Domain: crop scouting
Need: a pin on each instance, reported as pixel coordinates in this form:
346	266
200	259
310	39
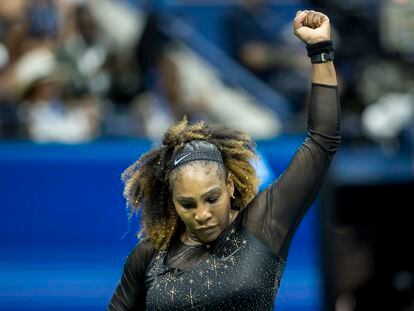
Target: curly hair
147	185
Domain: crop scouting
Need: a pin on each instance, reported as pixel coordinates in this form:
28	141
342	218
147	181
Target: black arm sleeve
131	292
275	213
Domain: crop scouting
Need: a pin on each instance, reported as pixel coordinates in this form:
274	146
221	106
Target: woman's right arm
131	292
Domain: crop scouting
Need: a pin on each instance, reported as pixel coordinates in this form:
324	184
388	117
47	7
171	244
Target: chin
209	238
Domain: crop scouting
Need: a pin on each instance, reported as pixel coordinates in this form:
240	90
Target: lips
206	228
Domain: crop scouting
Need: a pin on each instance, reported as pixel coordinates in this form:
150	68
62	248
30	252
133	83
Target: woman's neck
187	240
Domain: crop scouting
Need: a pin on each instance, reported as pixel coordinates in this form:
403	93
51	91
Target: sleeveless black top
242	269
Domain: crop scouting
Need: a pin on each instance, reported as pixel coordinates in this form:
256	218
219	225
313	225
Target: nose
202	215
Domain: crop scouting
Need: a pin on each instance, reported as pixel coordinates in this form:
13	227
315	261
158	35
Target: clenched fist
312	27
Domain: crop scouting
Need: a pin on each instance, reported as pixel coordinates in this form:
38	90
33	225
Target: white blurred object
34	66
92	60
158	118
51	123
388	116
121	25
4	56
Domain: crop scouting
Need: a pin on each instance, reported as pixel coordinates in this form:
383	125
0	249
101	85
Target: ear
230	185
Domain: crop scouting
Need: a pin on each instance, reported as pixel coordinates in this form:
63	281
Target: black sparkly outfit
242	268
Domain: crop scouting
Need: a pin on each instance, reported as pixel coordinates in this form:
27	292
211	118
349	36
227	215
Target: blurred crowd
58	66
72	71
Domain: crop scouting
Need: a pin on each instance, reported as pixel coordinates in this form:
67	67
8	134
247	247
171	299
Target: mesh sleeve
131	292
275	213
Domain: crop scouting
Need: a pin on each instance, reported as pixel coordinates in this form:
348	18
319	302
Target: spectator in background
162	103
94	65
98	60
24	26
82	54
47	113
259	44
33	100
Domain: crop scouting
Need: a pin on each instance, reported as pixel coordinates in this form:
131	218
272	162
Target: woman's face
201	196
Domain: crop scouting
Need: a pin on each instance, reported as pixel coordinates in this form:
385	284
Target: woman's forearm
324	73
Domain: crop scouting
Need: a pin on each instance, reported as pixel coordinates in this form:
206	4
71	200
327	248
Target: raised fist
312	27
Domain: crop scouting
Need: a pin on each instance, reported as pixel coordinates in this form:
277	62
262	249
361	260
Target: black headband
196	150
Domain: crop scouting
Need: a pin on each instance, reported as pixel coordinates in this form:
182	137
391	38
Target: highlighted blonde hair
147	187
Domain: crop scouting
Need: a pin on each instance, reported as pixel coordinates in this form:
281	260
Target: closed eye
188	205
212	200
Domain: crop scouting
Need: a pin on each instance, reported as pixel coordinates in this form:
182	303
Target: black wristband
321	52
320	47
